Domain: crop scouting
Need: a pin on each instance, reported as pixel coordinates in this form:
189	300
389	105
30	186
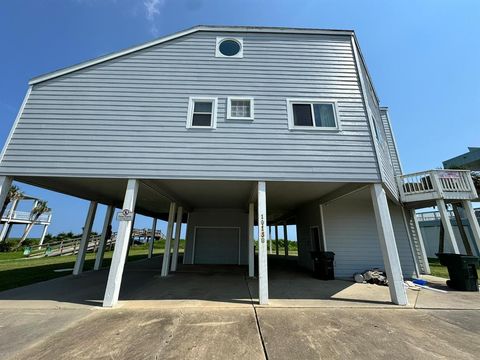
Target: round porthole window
229	47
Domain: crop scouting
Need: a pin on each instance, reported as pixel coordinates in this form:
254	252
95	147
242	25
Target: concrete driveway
210	313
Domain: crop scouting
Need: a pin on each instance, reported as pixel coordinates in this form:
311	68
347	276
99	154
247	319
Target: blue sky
423	56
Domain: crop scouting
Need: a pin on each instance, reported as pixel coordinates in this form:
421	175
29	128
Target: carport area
254	204
219	286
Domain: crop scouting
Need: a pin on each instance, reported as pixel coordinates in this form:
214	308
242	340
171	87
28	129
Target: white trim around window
221	39
240	98
311	102
191	106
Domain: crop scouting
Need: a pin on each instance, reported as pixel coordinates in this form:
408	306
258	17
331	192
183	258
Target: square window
240	108
202	113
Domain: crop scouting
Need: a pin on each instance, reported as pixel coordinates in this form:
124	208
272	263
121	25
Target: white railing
435	215
26	216
436	184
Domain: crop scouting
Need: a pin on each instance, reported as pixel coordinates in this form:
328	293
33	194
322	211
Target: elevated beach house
230	130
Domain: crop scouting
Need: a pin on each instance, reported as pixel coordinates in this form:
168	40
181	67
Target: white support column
87	229
262	245
276	240
121	246
285	238
176	242
472	220
5	184
168	240
103	237
442	209
44	233
251	244
152	239
388	245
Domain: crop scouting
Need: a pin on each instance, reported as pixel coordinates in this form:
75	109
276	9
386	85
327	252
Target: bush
6	246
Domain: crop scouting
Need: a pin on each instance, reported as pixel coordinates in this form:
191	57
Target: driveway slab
369	333
20	329
192	333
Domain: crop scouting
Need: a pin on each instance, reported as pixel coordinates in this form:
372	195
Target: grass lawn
16	270
439	270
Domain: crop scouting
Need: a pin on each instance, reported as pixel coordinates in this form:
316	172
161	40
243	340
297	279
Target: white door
216	245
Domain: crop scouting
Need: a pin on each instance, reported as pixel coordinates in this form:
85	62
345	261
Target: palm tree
14	193
38	210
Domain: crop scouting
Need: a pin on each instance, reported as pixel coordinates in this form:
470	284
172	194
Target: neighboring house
12	216
429	223
470	160
201	125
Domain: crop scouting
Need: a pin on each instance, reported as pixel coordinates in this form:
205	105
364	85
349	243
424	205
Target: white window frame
241	98
311	102
222	38
191	105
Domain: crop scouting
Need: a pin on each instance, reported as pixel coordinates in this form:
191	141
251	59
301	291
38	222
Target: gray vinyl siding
126	117
384	161
351	233
392	149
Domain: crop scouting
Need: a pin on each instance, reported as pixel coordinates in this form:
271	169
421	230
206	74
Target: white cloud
152	9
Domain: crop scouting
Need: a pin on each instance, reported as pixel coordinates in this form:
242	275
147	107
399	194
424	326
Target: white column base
176	242
262	245
388	246
103	238
87	229
114	282
447	225
168	240
152	239
472	220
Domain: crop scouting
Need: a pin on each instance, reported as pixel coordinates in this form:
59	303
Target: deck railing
436	184
26	216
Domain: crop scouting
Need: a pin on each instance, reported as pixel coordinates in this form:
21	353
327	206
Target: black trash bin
323	265
462	270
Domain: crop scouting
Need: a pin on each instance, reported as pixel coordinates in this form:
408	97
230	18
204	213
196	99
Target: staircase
66	247
417	243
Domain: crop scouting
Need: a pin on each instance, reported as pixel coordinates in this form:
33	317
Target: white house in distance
225	128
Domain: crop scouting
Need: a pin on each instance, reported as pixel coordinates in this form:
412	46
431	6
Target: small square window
202	113
312	114
240	108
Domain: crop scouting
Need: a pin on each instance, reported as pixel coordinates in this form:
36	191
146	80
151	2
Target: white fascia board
176	35
17	119
385	109
357	45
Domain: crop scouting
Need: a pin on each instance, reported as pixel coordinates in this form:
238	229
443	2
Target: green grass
16	270
439	270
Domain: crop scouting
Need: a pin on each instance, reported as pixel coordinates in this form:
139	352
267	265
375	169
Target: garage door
216	245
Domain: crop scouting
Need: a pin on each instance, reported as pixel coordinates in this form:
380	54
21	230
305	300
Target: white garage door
216	245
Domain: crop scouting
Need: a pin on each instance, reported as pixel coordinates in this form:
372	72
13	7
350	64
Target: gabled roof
176	35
